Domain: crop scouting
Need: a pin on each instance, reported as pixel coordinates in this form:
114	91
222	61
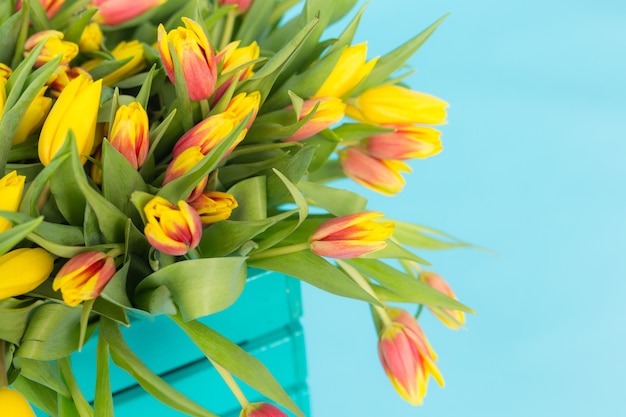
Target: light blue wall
533	168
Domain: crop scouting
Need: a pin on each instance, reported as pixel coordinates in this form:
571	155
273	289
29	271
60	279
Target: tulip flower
172	229
233	58
11	189
214	206
129	134
381	175
22	270
62	76
196	57
351	236
393	105
33	117
51	7
349	70
330	111
115	12
405	143
91	38
183	163
53	47
84	277
243	104
14	404
242	5
261	410
5	71
123	50
76	109
454	319
407	357
209	133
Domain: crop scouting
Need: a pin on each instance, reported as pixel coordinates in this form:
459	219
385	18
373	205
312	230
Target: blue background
533	169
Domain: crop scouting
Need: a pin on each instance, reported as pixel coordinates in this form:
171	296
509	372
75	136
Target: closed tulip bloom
5	71
196	57
54	46
381	175
406	142
172	229
91	38
183	163
84	277
23	270
62	76
243	104
51	7
14	404
214	206
123	50
330	111
351	236
129	134
393	105
209	133
11	190
242	5
261	410
349	70
33	117
407	357
454	319
76	109
115	12
233	58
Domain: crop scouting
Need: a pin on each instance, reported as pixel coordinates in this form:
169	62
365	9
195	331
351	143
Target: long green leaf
13	236
41	396
44	373
103	400
336	201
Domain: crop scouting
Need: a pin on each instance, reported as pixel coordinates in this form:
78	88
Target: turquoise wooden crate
264	320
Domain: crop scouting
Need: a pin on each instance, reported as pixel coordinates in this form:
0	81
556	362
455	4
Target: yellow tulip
34	116
76	109
124	50
23	270
347	73
91	38
14	404
11	189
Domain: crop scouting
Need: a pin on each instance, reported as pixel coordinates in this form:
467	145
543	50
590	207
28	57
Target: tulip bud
261	410
233	58
62	76
91	38
123	50
243	104
183	163
170	229
33	117
393	105
454	319
115	12
209	133
351	236
242	5
11	189
53	47
381	175
405	143
5	71
14	404
129	134
196	57
330	111
76	109
84	277
214	206
23	270
349	70
407	357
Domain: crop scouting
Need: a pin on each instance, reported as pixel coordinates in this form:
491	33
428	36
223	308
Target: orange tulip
172	229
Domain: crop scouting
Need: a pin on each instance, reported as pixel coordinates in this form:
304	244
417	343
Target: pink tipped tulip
207	134
84	277
51	7
129	134
172	229
183	163
261	410
407	357
115	12
406	142
351	236
454	319
381	175
53	47
196	57
330	111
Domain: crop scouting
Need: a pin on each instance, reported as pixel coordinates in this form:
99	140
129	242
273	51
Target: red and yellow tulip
129	133
261	410
381	175
454	319
214	206
406	142
84	277
330	111
172	229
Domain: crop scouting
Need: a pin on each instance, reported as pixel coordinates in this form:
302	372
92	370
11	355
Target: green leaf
351	131
423	237
82	406
103	400
335	201
44	373
251	197
40	396
395	251
255	21
409	287
13	236
236	361
293	169
14	316
198	287
77	25
9	33
153	384
38	16
316	271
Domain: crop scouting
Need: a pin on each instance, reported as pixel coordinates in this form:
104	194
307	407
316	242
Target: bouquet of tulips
151	151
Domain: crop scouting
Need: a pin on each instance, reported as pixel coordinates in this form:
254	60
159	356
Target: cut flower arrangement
152	151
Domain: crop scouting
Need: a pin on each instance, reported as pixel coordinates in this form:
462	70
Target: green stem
205	109
384	316
232	384
82	406
270	253
227	33
4	382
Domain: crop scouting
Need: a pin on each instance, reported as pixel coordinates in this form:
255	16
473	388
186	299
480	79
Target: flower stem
232	384
228	29
270	253
4	382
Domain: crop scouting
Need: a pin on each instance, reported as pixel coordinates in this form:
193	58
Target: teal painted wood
264	320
